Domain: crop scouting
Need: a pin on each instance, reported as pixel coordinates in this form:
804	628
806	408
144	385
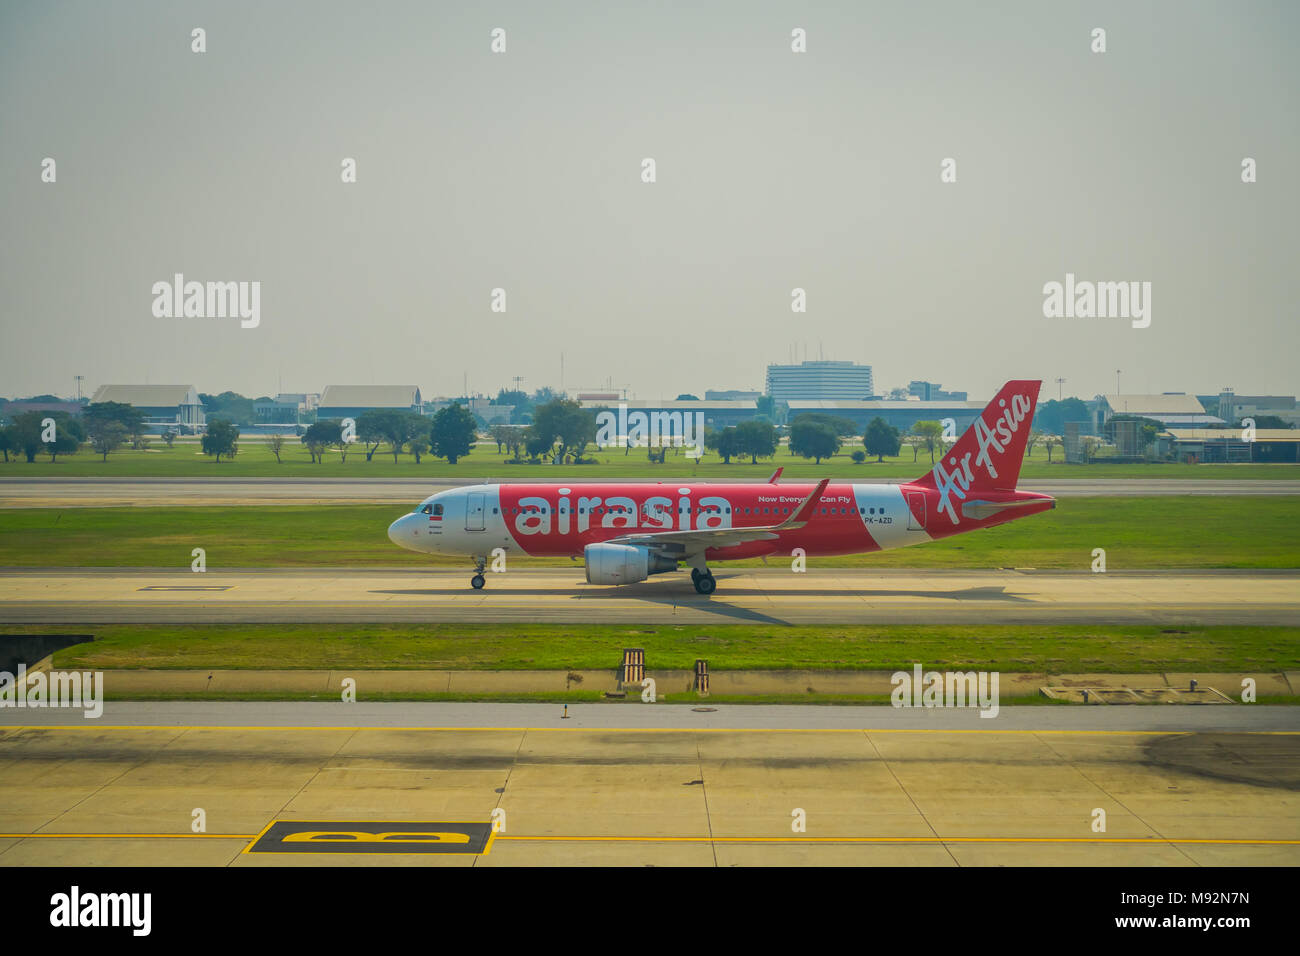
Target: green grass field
255	460
1022	648
1137	533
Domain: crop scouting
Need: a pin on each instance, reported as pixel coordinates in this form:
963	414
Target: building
349	401
731	395
933	392
281	410
1171	409
164	406
1229	444
1232	407
900	414
819	381
479	407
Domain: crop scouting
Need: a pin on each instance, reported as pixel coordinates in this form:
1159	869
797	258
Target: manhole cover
705	710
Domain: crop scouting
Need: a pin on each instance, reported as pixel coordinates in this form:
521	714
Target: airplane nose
396	532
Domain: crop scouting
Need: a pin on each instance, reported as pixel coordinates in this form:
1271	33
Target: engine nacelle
622	563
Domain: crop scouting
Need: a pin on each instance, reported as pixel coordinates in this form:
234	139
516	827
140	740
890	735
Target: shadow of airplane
669	594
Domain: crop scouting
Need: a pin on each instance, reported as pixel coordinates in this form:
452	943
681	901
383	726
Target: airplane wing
698	540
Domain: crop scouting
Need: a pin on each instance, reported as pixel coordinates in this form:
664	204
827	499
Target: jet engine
623	564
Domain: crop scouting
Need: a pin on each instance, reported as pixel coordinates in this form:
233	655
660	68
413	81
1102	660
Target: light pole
1059	382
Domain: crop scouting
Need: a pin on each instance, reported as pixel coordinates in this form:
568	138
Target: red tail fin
988	455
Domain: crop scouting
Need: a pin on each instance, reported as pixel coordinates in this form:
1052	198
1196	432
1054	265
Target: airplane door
915	512
474	513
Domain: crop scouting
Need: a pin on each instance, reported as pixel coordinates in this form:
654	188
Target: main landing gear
477	581
703	581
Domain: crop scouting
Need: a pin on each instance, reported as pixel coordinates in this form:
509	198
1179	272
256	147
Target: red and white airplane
626	532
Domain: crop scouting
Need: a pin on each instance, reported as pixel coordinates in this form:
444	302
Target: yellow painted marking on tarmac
657	730
124	836
756	839
493	836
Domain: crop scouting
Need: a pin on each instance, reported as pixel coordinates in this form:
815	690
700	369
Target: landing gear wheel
695	575
704	583
477	581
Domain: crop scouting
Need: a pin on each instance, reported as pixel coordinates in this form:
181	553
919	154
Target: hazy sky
522	170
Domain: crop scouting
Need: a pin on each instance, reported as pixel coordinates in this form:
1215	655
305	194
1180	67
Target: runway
638	785
561	595
57	492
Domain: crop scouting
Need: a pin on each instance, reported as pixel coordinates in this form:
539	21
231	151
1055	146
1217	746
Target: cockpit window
437	509
427	510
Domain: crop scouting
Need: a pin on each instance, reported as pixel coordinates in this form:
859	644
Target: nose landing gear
477	581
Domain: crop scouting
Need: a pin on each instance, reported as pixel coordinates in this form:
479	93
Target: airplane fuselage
564	519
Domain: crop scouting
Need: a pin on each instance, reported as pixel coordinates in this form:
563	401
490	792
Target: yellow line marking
652	730
123	836
493	836
667	839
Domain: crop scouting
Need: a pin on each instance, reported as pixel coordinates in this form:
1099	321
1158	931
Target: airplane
625	532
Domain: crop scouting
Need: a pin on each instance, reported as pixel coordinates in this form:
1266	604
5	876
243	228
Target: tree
220	438
500	434
418	446
843	427
687	398
929	434
757	439
813	439
563	420
98	413
230	406
724	441
26	432
452	433
109	424
29	434
276	444
881	438
1052	415
859	457
1269	421
107	437
320	436
7	442
1051	441
1035	436
376	426
168	436
765	407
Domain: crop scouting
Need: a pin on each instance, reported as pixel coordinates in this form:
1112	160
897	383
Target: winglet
805	509
775	475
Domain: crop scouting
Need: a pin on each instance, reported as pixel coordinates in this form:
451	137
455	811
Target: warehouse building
349	401
1171	409
1229	445
164	406
900	414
